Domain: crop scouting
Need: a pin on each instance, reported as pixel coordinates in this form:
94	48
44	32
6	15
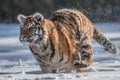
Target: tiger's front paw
79	64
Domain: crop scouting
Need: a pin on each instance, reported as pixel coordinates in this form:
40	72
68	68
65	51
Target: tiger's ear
38	16
21	18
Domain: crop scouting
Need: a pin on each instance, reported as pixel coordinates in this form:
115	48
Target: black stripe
45	47
86	56
61	59
80	65
52	49
58	18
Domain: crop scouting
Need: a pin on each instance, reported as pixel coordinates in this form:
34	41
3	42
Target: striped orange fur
62	43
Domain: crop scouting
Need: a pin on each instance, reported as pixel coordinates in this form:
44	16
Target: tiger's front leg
85	54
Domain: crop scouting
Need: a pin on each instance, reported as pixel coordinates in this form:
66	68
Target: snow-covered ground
18	63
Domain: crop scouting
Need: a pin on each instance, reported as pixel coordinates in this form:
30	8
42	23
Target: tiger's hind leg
85	54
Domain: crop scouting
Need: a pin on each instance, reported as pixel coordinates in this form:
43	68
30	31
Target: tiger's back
74	21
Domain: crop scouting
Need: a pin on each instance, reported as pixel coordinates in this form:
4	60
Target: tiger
62	42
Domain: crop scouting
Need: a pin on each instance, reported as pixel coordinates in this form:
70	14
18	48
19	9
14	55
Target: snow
18	63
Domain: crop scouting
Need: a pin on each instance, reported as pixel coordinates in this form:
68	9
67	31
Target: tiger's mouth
25	39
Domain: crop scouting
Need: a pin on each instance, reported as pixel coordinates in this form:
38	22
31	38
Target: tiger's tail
102	40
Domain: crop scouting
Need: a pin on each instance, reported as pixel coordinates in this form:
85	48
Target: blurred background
96	10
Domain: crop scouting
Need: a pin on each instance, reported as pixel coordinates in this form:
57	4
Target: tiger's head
32	27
